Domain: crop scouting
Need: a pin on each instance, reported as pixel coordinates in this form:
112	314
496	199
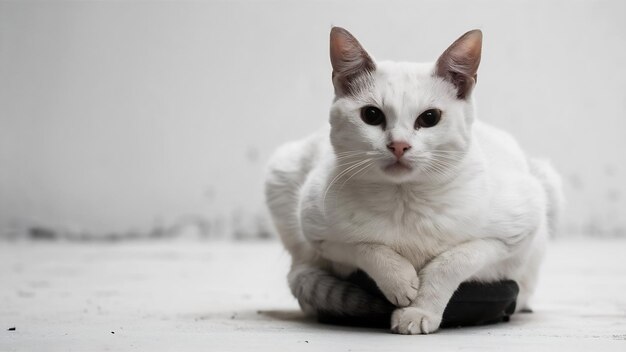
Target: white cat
408	186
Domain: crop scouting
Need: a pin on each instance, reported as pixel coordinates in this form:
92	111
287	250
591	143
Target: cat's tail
337	301
552	184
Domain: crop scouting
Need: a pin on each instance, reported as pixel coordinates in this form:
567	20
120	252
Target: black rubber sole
473	303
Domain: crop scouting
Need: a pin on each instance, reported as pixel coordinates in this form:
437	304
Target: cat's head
402	121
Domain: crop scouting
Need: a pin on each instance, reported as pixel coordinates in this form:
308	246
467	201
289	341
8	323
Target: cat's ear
459	63
349	60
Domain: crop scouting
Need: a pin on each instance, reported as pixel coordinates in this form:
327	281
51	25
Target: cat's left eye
428	118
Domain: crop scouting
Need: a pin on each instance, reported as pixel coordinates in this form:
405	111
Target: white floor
185	296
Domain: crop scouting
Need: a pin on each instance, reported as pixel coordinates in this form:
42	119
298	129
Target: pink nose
398	148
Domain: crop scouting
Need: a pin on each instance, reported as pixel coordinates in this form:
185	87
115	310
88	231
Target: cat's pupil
428	118
372	115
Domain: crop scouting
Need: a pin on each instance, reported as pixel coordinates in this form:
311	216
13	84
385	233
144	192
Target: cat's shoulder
515	192
487	134
302	153
500	148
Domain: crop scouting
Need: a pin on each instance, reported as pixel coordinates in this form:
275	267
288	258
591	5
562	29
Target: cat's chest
416	224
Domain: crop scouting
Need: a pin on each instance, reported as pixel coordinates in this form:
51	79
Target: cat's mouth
397	166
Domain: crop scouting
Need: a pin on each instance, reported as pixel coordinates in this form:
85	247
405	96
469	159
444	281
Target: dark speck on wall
610	170
252	154
209	193
613	195
576	182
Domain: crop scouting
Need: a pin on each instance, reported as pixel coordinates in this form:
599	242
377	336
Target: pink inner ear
459	63
349	60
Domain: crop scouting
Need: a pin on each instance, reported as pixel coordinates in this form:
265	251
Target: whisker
439	169
435	174
337	177
449	163
441	163
431	173
359	171
448	151
357	155
348	163
447	157
348	153
367	152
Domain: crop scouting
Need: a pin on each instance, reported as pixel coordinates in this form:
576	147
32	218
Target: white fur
473	207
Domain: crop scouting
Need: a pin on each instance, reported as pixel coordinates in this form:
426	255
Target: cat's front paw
401	290
413	321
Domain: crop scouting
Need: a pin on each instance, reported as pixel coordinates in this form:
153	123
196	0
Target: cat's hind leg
527	281
286	172
320	292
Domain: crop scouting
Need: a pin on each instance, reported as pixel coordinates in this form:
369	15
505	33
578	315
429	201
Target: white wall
130	116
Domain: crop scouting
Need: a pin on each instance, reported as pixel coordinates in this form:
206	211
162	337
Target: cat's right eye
372	115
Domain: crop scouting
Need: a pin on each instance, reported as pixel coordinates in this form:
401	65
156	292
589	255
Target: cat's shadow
286	315
291	317
297	316
296	319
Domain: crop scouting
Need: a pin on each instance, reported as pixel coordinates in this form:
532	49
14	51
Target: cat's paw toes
401	292
413	321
